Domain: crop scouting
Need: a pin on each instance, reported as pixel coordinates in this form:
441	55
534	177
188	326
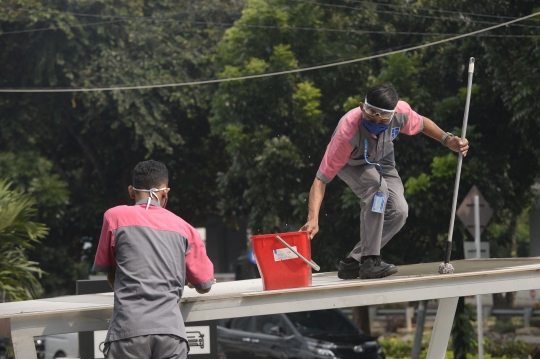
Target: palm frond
18	275
16	208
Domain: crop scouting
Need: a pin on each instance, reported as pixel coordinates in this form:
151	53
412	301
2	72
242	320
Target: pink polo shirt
347	146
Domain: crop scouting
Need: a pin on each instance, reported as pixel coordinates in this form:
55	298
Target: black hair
150	174
384	96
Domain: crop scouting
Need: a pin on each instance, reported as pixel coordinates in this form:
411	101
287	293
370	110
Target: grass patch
395	348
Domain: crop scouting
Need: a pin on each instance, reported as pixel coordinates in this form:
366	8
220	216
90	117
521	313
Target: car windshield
322	322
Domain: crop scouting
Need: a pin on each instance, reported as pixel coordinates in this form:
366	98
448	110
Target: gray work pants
155	346
376	229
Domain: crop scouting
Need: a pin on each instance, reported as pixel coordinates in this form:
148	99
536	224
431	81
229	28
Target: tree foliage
252	148
272	166
76	151
17	234
259	119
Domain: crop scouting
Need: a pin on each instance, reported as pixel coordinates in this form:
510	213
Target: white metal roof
471	277
23	320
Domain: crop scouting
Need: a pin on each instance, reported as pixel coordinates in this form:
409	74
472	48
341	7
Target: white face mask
152	192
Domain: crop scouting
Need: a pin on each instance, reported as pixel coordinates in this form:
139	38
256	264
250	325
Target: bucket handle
310	263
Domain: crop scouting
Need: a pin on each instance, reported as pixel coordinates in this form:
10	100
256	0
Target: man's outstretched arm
316	195
453	142
199	268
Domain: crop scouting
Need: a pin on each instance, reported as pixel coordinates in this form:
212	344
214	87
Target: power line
437	10
352	31
123	18
295	28
405	14
61	28
161	19
301	1
356	31
101	15
213	9
202	82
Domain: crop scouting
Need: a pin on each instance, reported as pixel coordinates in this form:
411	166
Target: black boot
348	268
373	267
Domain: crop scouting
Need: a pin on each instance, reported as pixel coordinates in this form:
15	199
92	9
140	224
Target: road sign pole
477	225
479	317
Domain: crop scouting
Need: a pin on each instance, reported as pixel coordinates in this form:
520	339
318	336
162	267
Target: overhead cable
60	27
196	11
319	29
248	77
301	1
429	9
35	11
406	14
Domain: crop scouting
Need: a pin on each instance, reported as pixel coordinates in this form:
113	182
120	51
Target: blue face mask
373	127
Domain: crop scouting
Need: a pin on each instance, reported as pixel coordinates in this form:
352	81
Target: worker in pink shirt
361	153
149	254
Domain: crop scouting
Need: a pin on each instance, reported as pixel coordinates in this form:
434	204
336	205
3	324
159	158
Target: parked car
322	334
57	346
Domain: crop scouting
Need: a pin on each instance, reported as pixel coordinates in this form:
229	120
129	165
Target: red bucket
279	267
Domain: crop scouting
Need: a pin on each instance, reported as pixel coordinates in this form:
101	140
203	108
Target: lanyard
376	164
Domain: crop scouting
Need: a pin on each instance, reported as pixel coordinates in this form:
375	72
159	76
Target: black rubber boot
348	268
373	267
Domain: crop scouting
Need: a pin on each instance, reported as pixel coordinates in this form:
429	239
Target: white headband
378	108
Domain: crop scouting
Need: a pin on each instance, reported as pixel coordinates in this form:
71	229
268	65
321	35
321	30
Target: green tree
276	129
91	141
255	116
35	175
267	136
17	234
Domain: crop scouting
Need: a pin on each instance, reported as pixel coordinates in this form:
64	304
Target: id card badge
378	203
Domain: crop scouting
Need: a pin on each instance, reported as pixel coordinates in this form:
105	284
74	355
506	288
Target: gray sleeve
323	177
98	268
421	124
204	286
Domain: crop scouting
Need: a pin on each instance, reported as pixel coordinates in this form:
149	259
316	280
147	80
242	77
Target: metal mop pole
446	267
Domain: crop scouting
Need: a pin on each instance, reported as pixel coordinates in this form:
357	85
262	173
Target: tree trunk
361	318
504	300
419	330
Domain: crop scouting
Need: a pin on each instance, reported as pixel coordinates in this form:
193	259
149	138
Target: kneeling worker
148	253
361	153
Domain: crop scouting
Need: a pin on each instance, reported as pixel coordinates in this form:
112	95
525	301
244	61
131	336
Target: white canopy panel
23	320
